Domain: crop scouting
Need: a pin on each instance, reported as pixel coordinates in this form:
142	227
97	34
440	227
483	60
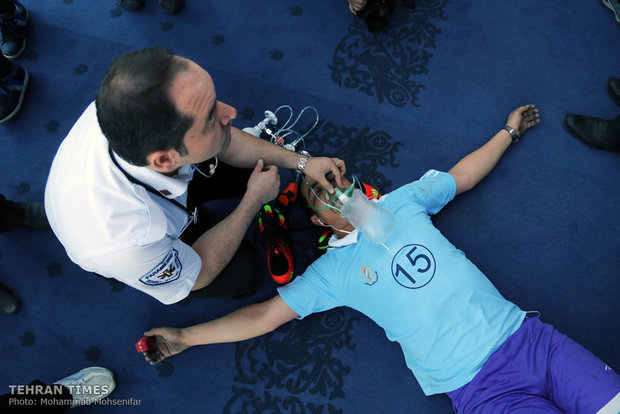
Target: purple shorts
538	370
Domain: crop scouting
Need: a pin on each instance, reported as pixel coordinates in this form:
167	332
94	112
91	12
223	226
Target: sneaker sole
18	54
21	98
614	7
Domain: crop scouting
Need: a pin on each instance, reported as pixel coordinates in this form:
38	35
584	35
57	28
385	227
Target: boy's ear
315	220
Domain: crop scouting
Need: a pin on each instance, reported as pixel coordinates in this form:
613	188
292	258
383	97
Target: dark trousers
242	276
7	6
37	402
11	214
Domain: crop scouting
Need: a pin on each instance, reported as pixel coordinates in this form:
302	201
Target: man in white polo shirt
125	181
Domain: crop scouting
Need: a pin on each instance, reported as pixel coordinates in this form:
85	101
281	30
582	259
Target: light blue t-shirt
426	295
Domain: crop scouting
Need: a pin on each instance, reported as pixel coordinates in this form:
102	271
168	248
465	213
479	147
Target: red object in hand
146	343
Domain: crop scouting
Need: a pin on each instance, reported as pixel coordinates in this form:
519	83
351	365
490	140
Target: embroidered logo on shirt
413	266
369	275
167	271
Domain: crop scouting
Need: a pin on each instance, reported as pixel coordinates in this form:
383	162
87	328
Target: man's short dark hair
134	107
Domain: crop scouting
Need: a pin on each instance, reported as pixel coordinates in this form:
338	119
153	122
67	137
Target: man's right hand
264	183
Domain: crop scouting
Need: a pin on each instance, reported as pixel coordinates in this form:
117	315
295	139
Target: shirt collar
347	240
169	186
350	238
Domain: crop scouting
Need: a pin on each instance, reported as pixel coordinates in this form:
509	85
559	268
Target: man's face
193	93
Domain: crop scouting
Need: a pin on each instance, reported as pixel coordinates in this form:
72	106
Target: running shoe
276	238
89	385
13	31
12	90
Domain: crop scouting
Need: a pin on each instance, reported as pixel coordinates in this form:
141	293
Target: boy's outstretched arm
469	171
245	323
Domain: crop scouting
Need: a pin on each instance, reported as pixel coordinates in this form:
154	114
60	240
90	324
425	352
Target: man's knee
240	278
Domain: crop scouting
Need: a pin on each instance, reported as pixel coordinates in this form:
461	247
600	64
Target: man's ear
163	160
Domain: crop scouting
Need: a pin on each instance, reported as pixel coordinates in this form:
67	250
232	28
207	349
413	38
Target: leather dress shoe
9	303
613	89
591	131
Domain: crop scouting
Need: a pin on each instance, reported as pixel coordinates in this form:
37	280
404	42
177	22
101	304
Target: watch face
303	160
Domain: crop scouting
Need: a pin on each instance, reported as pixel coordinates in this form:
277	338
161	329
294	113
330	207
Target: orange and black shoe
276	238
370	191
289	195
324	240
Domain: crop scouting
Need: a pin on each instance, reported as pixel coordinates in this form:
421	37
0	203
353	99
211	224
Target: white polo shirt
115	228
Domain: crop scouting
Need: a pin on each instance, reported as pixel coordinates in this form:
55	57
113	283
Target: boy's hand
523	118
168	342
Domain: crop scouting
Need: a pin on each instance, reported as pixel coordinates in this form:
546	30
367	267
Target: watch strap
512	132
304	156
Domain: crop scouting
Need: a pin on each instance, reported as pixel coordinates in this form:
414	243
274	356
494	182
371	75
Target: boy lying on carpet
458	334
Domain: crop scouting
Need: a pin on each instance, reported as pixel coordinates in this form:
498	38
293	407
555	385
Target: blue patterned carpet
544	226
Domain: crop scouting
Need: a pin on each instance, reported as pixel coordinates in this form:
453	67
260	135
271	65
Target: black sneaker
12	89
13	32
131	5
171	6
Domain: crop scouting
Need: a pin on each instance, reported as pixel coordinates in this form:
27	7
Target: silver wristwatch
512	132
304	156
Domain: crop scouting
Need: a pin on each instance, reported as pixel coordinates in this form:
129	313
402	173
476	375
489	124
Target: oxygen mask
340	195
370	218
335	200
